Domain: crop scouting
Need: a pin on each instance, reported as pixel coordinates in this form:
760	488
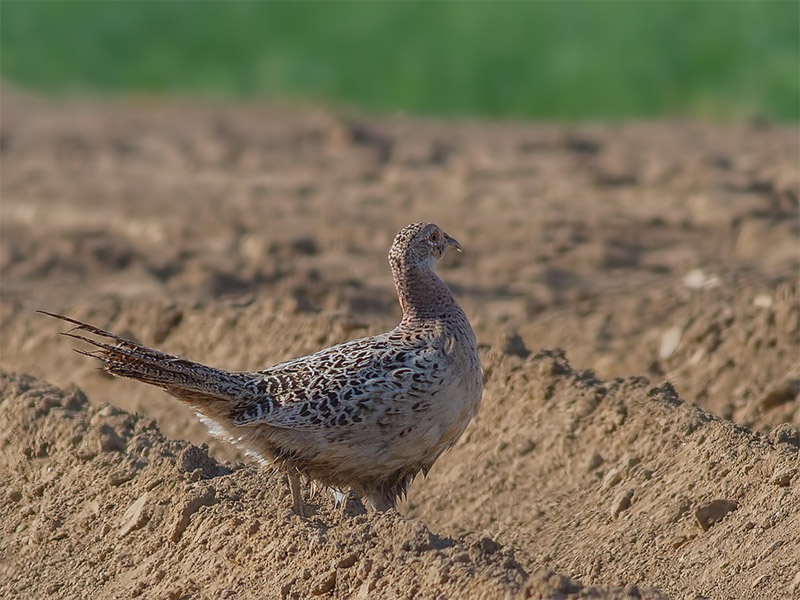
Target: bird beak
453	242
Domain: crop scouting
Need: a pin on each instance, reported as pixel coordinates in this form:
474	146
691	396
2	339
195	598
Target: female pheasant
366	415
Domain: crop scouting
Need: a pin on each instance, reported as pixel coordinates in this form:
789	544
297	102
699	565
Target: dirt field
658	449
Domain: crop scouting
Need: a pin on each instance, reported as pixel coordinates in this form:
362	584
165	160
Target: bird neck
420	291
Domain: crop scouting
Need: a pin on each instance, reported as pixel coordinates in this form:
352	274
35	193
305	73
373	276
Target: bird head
421	244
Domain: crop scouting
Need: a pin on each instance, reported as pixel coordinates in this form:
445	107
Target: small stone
694	279
670	340
135	517
783	478
772	547
612	478
325	585
762	301
759	580
348	561
796	582
622	503
365	591
121	476
595	460
713	512
631	461
89	446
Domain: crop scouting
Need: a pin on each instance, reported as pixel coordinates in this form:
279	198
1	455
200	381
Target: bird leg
297	493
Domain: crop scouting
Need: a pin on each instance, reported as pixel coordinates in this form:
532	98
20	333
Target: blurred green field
544	60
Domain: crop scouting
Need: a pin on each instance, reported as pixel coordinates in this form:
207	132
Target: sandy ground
658	449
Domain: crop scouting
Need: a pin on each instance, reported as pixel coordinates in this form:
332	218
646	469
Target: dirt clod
134	517
709	514
621	503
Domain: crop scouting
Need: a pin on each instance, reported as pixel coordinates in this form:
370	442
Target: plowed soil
634	289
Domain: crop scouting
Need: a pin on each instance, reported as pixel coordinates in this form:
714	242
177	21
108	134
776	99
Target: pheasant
367	415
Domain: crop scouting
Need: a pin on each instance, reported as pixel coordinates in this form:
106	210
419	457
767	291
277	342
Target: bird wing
339	387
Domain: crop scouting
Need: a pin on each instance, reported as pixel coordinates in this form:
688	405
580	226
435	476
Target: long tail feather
188	380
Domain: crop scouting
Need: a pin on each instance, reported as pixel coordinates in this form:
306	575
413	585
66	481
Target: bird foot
297	494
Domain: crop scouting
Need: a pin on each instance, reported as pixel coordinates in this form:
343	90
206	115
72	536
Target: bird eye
434	237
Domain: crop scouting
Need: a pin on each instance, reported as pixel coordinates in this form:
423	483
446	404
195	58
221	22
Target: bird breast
420	436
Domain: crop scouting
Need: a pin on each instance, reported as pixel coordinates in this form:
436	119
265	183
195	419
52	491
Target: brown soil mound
241	236
611	480
98	504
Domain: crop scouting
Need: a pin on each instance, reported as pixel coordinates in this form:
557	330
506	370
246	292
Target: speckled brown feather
366	415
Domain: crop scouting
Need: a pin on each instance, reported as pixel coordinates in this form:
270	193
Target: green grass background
547	60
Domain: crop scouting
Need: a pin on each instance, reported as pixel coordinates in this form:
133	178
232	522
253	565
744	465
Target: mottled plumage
366	415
